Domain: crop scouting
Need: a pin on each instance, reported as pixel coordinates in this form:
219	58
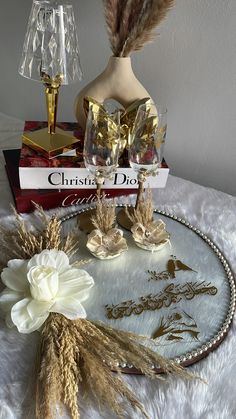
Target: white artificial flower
45	284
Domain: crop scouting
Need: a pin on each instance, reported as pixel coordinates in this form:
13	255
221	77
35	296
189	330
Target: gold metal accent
127	117
50	141
171	294
107	129
51	91
173	266
150	135
90	102
107	135
176	327
50	145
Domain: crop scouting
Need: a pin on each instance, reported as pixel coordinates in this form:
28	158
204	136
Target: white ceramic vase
116	82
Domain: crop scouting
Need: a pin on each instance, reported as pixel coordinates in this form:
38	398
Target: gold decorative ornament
127	117
105	241
173	265
148	234
107	132
171	294
149	134
151	237
177	326
106	245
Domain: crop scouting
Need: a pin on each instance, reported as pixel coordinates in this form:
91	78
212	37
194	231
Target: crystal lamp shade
51	43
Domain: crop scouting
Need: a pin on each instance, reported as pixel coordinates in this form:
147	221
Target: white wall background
191	67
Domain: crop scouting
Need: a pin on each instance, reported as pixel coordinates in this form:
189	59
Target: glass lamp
51	56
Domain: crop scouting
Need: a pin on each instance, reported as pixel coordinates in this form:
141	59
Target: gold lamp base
50	145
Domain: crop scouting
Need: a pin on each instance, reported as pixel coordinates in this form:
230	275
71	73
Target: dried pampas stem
131	23
111	12
143	214
105	215
82	350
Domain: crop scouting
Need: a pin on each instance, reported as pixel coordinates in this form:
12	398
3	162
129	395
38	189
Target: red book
51	198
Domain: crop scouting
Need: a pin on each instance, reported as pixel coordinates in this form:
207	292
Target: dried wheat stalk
83	350
143	214
131	23
23	243
105	215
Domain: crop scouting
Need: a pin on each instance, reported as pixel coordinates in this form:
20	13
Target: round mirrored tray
182	296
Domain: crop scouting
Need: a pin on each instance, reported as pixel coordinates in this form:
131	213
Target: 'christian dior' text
59	179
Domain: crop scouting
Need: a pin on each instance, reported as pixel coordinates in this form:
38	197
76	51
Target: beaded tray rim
196	355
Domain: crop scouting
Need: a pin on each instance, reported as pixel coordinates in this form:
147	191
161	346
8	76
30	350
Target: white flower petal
22	319
70	308
18	264
15	275
8	298
54	258
75	282
38	308
43	282
61	260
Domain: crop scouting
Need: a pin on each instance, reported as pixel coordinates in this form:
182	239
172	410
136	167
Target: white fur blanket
215	214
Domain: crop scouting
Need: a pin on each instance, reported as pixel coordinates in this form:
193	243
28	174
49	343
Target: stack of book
63	180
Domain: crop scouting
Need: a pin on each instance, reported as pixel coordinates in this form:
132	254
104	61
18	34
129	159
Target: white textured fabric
215	214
